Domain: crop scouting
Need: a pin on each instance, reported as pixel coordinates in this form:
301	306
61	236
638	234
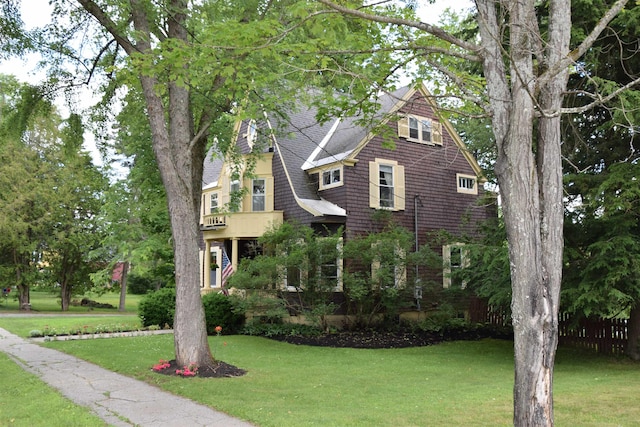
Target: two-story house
338	173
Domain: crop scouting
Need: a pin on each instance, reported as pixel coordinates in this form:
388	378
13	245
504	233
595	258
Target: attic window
420	129
331	178
252	133
467	184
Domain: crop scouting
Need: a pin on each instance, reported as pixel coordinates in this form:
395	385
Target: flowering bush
161	366
188	371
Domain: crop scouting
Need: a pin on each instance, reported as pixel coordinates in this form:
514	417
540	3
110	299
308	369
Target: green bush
221	310
158	308
138	285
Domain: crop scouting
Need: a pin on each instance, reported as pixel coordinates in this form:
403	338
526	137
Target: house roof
304	144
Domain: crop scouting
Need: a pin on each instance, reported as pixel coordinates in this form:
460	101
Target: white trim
308	164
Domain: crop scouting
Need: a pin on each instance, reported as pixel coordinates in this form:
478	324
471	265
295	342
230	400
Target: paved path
117	399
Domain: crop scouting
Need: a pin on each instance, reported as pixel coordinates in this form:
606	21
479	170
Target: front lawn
43	301
464	383
27	401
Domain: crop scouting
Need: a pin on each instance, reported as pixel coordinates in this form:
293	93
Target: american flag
227	268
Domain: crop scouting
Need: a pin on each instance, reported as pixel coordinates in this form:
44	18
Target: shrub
139	285
158	308
222	310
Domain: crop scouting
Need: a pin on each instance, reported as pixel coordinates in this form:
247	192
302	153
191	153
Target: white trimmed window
389	269
467	184
326	267
386	185
454	257
213	203
258	195
420	129
234	188
331	178
252	133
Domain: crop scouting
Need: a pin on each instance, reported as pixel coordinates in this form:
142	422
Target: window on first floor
455	257
389	268
321	269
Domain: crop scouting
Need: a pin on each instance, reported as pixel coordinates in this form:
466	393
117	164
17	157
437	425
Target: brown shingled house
339	173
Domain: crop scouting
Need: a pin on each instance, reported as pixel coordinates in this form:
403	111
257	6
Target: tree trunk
530	177
65	295
180	161
123	286
24	299
633	340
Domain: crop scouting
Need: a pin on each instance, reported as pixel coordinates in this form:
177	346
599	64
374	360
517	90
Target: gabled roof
304	144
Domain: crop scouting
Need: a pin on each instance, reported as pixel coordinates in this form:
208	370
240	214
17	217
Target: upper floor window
235	195
386	185
258	195
213	203
467	184
331	178
252	133
420	129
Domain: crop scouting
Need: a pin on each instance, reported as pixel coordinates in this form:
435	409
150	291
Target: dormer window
331	178
420	129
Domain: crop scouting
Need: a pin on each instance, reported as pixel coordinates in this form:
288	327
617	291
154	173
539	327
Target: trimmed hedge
220	310
158	308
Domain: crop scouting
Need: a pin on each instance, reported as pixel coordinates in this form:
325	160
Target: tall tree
602	237
196	62
27	167
73	221
525	71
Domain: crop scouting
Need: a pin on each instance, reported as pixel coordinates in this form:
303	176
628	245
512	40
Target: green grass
27	401
46	302
455	383
23	325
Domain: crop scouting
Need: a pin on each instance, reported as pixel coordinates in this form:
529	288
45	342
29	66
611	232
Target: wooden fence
606	336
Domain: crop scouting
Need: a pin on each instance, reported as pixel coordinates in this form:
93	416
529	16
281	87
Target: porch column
234	253
207	265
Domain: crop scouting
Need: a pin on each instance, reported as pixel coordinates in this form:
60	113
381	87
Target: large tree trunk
180	160
530	176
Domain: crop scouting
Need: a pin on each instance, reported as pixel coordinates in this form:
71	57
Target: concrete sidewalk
117	399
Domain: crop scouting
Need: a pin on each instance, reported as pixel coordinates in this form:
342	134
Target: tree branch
423	26
104	20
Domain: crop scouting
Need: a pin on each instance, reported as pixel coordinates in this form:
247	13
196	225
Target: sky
36	13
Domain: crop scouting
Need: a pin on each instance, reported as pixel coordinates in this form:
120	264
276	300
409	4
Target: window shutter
399	197
436	132
403	127
374	192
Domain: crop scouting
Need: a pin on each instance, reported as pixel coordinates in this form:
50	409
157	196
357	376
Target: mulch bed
220	370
